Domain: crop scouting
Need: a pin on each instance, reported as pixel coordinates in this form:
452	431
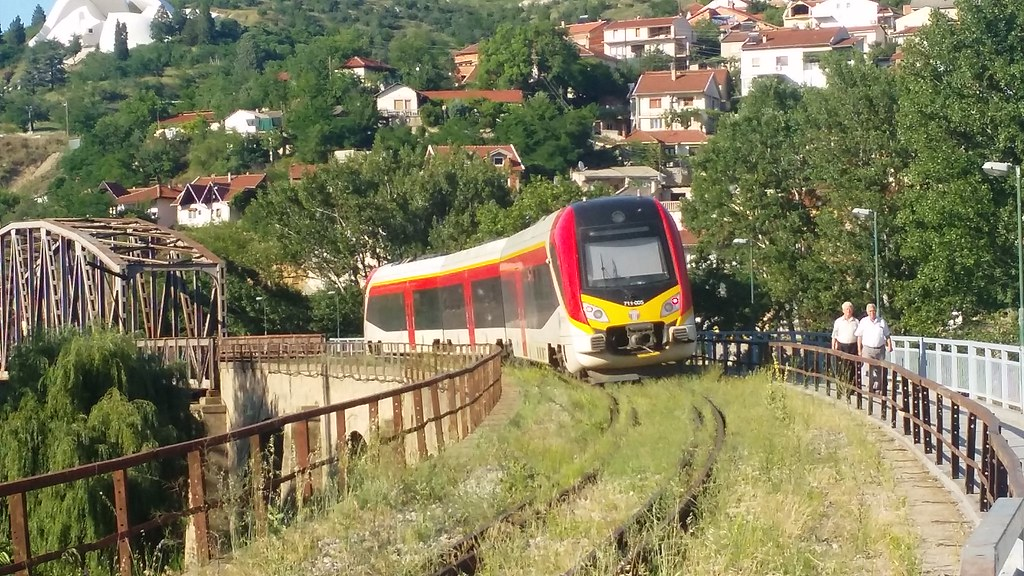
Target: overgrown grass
396	519
20	155
800	489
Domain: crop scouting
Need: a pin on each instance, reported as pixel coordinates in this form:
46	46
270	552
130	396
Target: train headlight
670	306
594	313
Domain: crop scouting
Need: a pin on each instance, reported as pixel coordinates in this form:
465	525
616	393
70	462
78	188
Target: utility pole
67	120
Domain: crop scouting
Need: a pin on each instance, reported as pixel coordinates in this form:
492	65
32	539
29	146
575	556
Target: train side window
454	305
387	312
508	294
488	310
426	305
539	293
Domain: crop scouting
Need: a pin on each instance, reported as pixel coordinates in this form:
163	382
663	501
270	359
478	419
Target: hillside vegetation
23	159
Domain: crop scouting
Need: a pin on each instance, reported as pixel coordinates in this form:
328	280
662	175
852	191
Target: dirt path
47	165
942	528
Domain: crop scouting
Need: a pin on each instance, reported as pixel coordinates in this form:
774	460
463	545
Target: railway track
633	540
463	557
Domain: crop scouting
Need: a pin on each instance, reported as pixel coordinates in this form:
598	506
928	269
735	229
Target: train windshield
622	258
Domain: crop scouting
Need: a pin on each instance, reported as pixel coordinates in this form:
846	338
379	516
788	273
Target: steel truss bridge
127	274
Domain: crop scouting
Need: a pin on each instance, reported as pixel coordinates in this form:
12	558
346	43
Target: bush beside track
398	520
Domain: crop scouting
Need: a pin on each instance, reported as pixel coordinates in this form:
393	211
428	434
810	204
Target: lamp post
261	299
747	242
337	315
864	213
1003	169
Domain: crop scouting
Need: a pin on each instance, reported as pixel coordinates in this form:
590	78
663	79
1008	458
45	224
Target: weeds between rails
638	527
463	557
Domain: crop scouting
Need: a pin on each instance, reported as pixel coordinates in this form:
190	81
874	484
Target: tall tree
549	138
15	34
528	56
962	99
750	181
38	17
44	65
422	58
120	41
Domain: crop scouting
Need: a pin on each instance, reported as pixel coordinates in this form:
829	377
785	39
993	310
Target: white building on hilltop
93	21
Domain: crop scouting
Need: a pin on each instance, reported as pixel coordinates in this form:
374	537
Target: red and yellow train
600	285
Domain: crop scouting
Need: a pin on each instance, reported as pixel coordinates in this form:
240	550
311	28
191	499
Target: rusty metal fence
950	428
444	409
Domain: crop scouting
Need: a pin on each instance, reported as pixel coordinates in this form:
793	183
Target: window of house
656	124
688	101
403	104
755	62
216	213
250	122
498	160
781	62
655	103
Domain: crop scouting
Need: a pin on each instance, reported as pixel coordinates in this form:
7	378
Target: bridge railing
983	371
417	417
951	428
955	430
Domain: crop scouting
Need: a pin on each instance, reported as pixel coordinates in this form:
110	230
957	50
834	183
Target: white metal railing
983	371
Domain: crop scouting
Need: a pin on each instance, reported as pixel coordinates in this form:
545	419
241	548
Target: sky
11	8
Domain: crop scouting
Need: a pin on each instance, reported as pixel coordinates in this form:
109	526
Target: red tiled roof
721	77
148	194
297	171
693	9
284	76
360	62
471	49
485	152
584	28
687	237
186	117
684	82
794	38
642	22
736	36
508	96
235	183
588	53
668	136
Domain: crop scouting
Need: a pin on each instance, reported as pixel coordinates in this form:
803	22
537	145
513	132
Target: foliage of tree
528	57
38	17
378	207
44	66
548	138
422	58
15	33
120	41
534	200
75	398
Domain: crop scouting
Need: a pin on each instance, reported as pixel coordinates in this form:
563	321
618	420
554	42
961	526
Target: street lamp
747	242
1003	169
864	213
261	299
337	314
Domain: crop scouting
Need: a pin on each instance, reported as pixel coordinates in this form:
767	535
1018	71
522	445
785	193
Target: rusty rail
463	557
469	393
951	428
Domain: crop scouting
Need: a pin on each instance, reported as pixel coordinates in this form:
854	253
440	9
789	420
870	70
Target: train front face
622	274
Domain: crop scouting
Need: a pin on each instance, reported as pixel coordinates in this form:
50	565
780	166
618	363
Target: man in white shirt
873	340
844	339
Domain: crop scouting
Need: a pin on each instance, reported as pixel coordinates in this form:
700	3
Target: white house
794	54
202	204
870	35
93	22
157	201
663	100
626	39
732	4
908	25
399	103
845	13
252	122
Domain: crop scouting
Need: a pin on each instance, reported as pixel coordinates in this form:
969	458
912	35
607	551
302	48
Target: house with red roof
466	61
175	125
672	36
587	35
794	54
156	201
202	204
678	99
503	157
361	66
401	104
